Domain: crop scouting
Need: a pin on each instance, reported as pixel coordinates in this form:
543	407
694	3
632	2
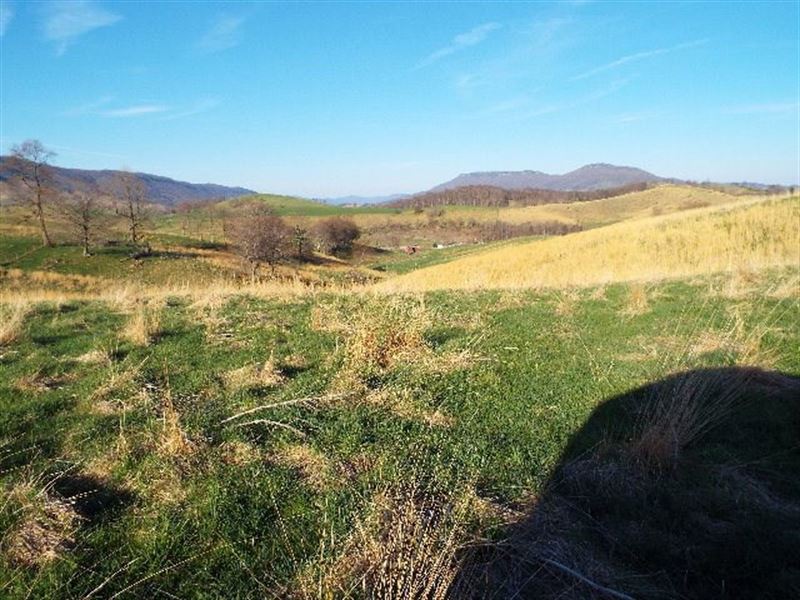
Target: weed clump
407	546
684	407
12	323
144	326
312	466
254	376
637	302
46	529
174	441
377	335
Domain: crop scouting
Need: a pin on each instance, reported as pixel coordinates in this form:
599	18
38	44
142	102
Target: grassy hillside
752	235
660	200
343	445
303	207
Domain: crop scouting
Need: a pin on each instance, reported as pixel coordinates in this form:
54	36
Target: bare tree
259	236
83	212
184	209
300	241
31	162
132	193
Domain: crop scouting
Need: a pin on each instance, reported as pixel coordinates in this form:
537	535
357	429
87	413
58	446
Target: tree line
487	195
83	207
255	232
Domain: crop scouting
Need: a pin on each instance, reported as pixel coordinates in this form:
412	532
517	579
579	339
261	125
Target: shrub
336	235
500	230
259	236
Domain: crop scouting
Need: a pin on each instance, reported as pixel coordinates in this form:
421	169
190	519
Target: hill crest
595	176
160	189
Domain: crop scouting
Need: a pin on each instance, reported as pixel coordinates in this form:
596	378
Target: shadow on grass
92	498
685	488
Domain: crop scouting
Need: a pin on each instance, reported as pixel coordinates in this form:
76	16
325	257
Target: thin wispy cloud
577	103
770	108
630	58
634	117
66	21
199	107
226	32
473	37
527	55
105	106
507	105
90	107
503	107
6	14
134	111
525	108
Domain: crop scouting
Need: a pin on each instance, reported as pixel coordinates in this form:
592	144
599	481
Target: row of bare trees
82	208
257	234
487	195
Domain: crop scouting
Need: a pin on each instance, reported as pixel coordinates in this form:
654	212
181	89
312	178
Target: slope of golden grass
663	199
751	234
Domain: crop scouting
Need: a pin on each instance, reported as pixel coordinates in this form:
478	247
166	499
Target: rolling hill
658	200
596	176
160	190
752	233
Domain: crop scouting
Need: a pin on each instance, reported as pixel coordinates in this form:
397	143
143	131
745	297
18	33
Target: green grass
400	262
203	525
301	207
112	262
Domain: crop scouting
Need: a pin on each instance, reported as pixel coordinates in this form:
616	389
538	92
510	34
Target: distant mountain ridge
160	190
597	176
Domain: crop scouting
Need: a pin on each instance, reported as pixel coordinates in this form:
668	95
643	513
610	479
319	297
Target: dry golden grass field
747	235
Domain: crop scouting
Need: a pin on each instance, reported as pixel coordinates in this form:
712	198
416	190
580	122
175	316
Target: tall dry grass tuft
567	303
637	302
377	334
254	376
174	441
406	548
683	408
12	322
143	326
691	400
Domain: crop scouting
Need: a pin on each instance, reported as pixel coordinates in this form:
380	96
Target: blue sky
326	99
